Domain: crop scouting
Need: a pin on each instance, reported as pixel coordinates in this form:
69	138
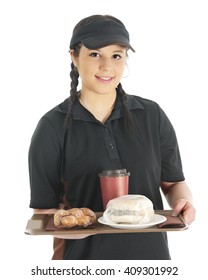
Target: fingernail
174	214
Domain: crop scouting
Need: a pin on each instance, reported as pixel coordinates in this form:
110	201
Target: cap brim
102	41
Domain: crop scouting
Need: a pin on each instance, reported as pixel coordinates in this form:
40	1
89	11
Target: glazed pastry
80	217
68	221
129	209
90	213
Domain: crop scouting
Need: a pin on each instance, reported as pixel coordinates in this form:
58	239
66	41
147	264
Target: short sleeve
171	165
45	166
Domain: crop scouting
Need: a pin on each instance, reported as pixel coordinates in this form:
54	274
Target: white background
170	66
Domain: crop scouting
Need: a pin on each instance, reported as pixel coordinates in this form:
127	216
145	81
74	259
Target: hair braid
74	75
129	121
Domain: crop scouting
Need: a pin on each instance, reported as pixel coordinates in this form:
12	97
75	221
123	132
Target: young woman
101	127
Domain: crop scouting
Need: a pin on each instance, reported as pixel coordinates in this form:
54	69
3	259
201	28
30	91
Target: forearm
45	211
180	199
175	191
48	211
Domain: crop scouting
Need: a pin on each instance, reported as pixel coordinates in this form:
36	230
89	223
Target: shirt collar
80	113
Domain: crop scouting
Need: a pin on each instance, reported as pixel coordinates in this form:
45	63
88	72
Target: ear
73	57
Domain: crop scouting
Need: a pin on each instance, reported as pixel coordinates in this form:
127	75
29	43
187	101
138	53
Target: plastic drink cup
113	183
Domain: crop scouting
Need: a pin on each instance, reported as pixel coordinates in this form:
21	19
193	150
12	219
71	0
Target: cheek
120	71
87	76
84	71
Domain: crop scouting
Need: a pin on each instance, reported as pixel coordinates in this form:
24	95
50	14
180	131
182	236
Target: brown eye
117	56
94	54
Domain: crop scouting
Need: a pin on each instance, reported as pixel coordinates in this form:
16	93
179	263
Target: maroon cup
113	183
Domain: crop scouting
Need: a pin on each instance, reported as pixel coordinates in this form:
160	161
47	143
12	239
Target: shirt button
111	146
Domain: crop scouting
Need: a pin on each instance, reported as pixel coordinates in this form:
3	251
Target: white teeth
105	78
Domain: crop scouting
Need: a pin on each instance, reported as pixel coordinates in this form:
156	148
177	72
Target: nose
105	63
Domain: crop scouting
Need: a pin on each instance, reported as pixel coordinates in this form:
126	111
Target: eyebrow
121	51
116	51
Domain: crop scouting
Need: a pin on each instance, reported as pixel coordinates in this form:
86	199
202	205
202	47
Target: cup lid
114	172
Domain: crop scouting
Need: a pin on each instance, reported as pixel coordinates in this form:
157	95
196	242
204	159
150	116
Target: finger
72	236
178	207
186	209
189	215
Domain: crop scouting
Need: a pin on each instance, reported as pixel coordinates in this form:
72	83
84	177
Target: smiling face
100	70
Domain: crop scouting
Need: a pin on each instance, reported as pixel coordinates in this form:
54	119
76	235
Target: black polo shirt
77	155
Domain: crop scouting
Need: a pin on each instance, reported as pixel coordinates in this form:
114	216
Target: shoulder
56	115
150	109
138	102
51	124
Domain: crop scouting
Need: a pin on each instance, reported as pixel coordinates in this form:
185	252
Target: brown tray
38	224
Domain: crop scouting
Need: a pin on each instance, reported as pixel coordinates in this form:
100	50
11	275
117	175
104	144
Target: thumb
178	207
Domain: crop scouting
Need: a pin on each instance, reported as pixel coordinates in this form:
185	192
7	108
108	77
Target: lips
104	79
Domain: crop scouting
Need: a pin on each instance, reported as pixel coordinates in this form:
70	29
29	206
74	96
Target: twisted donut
74	217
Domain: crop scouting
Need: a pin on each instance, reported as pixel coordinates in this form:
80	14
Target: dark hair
74	75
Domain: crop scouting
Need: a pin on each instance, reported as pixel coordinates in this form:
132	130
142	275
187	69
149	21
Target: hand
72	236
184	207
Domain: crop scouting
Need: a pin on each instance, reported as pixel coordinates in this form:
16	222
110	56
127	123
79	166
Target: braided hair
74	75
128	117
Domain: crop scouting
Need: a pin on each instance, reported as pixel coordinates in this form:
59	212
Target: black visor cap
101	34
